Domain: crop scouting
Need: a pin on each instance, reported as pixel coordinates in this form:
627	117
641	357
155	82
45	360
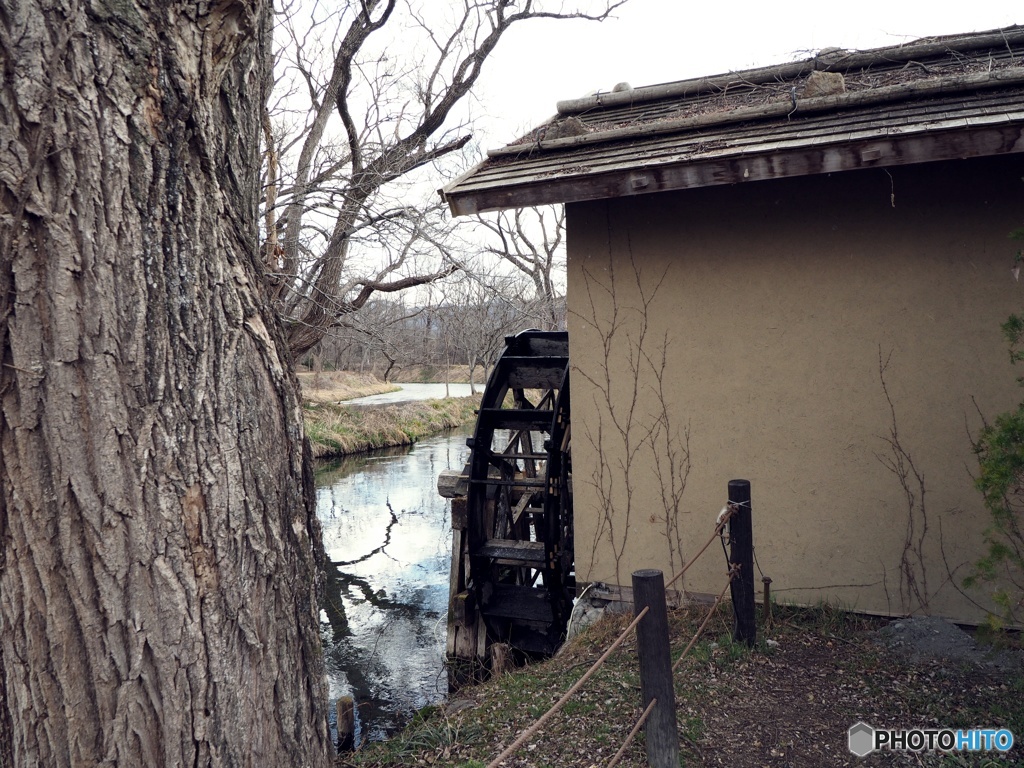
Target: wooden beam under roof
771	162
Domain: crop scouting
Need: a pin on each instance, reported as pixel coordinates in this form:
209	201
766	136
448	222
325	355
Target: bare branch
382	110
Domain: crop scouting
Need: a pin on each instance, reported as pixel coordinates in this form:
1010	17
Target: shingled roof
934	99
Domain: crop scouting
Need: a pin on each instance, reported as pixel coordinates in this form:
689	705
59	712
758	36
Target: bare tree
478	311
158	540
375	115
532	240
386	329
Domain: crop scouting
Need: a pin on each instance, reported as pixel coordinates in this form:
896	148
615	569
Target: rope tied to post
727	513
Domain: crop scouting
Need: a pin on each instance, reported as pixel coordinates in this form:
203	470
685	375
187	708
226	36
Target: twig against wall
624	436
671	454
913	568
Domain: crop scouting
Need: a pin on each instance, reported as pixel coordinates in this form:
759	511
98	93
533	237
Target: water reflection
416	391
388	535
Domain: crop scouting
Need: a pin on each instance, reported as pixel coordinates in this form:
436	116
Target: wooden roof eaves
659	152
916	90
848	154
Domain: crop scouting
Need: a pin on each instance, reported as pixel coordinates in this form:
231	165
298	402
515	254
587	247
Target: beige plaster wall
777	305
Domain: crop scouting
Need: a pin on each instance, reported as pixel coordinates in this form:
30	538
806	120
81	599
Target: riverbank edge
338	386
337	429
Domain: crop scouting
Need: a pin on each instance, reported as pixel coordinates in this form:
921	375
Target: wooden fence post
652	644
346	711
741	543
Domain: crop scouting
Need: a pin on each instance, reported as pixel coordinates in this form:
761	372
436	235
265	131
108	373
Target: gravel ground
927	638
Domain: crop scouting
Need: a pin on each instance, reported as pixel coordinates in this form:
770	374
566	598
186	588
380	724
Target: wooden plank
462	608
519	482
451	642
537	375
517	513
466	642
515	552
460	515
539	343
481	639
519	604
456	576
516	455
452	483
506	418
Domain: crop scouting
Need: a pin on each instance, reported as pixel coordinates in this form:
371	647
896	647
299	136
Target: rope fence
525	735
629	739
711	612
728	513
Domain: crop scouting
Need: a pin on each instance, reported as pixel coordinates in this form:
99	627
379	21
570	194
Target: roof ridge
948	84
827	60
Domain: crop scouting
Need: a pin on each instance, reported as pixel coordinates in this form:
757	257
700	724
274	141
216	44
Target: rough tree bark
158	543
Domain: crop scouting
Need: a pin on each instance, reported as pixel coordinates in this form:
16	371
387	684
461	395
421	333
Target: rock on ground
930	637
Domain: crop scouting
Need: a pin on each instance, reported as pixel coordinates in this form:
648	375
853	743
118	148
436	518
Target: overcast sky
657	41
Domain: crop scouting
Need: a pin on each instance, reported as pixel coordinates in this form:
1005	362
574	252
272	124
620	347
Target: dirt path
793	707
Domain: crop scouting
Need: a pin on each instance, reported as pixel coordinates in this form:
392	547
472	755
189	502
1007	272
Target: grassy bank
787	702
338	429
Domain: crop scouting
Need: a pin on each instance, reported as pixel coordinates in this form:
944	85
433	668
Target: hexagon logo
861	739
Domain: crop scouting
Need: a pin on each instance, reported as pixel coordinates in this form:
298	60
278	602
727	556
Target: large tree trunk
158	542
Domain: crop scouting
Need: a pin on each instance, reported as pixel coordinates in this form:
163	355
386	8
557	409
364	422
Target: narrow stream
388	535
416	391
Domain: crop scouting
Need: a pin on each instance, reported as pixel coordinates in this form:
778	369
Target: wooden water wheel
513	578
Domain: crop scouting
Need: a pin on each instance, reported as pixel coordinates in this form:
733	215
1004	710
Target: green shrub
1000	451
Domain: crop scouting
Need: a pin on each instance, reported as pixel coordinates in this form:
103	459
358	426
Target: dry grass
436	374
337	430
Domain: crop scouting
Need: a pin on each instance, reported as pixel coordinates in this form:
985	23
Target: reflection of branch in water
387	540
339	582
378	599
333	604
380	632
